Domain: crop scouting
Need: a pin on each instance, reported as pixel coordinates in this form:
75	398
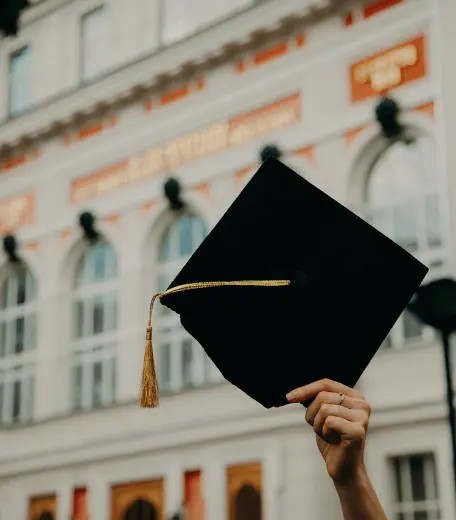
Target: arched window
17	345
141	510
247	504
182	363
402	201
93	366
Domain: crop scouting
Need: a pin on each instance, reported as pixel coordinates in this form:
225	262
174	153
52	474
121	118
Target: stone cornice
174	64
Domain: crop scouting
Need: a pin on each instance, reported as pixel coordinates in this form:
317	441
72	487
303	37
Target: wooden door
138	501
43	508
245	492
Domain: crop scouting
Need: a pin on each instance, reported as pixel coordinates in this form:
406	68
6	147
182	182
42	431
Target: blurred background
127	128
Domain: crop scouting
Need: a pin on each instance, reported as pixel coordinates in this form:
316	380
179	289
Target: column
214	490
174	490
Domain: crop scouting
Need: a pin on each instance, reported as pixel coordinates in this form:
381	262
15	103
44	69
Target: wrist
354	480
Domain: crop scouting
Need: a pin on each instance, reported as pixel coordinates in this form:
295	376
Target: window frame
16	53
169	333
89	78
90	348
18	368
408	506
370	157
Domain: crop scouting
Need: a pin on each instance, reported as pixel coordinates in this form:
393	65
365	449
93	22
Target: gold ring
342	399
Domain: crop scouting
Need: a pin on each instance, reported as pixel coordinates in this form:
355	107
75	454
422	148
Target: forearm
359	500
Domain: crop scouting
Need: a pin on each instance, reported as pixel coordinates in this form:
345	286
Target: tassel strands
149	387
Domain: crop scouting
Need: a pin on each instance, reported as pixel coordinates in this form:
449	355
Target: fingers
336	428
304	393
331	398
331	411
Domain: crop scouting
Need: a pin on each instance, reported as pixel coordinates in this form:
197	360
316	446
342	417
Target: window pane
2	339
97	396
417	471
79	319
94	44
433	221
98	315
19	94
421	515
1	401
20	295
81	271
398	479
405	226
4	295
19	336
30	332
164	372
77	387
99	262
17	391
185	236
165	247
187	362
110	302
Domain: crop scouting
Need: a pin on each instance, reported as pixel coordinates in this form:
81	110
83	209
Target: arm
359	500
340	417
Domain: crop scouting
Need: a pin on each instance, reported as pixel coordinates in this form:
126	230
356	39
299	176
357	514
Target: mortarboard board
288	288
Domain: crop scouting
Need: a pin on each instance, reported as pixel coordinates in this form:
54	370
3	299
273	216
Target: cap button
299	280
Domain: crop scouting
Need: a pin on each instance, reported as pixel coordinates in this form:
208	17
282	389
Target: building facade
102	102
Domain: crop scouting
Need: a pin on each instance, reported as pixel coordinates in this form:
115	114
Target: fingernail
293	396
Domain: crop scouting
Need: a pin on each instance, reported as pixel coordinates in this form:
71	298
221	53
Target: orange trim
196	145
65	234
240	67
201	84
351	135
349	20
428	109
241	175
307	152
270	54
379	6
33	246
147	206
148	106
300	40
175	95
89	131
204	189
113	219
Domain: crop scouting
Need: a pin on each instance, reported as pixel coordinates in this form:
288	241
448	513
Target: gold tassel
149	390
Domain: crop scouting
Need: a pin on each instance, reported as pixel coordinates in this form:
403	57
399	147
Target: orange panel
392	68
44	504
238	477
379	5
193	496
80	504
124	495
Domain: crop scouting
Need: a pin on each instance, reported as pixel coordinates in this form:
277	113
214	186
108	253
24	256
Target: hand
341	428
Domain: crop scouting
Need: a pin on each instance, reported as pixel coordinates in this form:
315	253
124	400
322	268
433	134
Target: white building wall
207	428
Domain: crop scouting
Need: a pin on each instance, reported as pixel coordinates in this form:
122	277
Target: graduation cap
288	288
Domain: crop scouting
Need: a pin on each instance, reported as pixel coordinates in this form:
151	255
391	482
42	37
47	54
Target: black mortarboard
288	288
